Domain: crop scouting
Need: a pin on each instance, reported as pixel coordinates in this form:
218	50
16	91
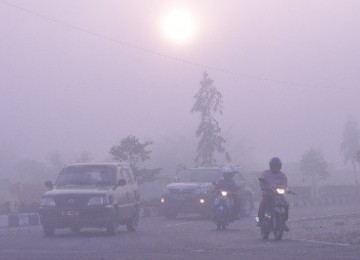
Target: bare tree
351	145
84	157
56	160
31	171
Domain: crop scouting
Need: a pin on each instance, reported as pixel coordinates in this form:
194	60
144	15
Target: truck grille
71	201
182	191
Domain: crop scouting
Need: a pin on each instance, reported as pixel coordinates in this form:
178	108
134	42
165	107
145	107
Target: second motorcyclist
227	183
270	180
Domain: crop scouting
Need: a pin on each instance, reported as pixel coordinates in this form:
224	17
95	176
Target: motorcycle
223	209
275	215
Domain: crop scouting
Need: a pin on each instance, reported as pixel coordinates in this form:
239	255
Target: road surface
187	237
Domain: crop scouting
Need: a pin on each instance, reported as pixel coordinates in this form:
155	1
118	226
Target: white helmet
228	171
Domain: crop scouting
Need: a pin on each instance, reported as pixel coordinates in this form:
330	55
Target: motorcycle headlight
97	201
202	201
47	202
224	193
280	191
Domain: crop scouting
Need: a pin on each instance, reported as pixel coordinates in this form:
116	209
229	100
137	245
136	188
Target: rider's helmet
275	164
228	172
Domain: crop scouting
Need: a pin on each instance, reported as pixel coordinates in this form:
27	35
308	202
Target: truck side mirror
121	182
49	185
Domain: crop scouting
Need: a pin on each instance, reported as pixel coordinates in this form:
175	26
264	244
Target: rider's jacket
274	180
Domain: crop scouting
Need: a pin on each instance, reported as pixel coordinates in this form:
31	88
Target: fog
288	72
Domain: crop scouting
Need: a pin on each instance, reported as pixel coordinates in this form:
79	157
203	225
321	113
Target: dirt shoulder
334	229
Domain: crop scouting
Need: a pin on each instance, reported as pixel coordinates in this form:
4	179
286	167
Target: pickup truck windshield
87	175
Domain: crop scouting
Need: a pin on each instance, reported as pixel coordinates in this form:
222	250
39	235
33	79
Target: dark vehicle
223	209
101	195
194	193
275	215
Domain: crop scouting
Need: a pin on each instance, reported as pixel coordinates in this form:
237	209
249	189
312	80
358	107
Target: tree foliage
131	150
208	102
313	165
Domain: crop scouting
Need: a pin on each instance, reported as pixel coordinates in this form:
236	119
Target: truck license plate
70	213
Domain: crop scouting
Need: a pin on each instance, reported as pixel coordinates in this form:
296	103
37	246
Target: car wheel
279	227
111	227
265	234
49	231
133	222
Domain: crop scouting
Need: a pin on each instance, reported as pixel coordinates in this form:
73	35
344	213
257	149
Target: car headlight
47	202
280	191
97	201
202	201
162	200
224	193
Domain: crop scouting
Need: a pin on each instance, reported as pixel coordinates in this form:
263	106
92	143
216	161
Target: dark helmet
275	164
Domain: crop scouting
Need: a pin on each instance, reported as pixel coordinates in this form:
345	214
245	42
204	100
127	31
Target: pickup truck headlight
47	202
98	201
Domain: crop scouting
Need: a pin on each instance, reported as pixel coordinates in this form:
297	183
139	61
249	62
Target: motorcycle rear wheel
278	227
265	234
218	226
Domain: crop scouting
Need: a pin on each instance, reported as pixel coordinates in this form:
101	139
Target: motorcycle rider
227	183
270	180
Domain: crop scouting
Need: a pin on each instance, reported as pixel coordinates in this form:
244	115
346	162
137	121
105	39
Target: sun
179	26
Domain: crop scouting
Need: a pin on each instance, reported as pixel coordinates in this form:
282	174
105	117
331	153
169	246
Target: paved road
184	238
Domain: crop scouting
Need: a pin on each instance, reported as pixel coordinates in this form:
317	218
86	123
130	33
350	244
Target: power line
156	53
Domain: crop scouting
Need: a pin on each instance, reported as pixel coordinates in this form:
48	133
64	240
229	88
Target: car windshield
87	175
200	175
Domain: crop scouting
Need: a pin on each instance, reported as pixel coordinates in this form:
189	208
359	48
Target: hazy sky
63	89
